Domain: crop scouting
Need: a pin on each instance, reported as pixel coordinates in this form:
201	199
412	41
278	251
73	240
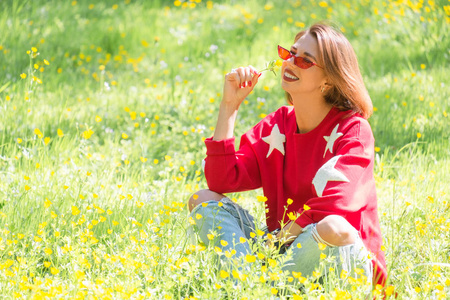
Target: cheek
311	76
283	66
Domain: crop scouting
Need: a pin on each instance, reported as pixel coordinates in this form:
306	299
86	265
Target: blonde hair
346	87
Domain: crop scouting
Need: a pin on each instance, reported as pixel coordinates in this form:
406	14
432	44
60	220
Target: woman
314	157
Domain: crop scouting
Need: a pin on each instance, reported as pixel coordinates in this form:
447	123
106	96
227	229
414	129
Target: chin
287	86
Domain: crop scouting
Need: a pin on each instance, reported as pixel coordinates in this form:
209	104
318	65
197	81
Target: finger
248	77
233	76
241	72
244	76
255	75
253	70
255	78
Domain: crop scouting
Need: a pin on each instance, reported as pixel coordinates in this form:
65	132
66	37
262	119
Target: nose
290	61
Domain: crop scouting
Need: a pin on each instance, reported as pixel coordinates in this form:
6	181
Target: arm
225	169
238	84
289	232
344	185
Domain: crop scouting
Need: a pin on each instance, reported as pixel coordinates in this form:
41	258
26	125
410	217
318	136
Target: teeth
289	76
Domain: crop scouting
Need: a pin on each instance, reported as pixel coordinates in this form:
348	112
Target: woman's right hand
238	84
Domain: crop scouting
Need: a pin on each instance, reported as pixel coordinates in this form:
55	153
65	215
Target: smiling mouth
288	76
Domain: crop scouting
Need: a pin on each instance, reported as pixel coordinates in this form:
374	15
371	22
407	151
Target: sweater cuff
221	147
304	220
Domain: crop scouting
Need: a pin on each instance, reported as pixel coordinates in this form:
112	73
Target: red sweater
330	169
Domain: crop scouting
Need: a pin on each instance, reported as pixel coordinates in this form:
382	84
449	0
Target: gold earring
323	88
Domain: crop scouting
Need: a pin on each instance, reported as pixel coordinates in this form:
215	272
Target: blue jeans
229	222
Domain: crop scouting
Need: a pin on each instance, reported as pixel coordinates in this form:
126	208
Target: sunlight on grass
104	109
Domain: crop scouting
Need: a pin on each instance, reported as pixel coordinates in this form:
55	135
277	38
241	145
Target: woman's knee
202	196
336	230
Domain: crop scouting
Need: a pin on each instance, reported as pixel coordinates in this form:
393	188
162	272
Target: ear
325	85
325	82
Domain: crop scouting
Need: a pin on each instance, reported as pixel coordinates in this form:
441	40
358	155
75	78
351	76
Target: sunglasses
301	62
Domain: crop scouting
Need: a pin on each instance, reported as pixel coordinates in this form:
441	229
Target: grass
98	160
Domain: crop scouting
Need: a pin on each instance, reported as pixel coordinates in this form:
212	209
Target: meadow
104	108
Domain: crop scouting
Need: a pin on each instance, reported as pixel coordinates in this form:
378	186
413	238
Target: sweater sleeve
227	170
344	184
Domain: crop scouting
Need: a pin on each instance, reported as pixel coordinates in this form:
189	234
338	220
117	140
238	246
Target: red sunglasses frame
299	61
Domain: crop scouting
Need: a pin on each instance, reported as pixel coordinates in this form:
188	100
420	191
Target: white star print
203	165
331	139
327	173
275	140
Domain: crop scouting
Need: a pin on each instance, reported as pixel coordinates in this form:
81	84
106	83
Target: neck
310	114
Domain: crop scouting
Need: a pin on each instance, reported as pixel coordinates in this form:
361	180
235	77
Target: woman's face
302	81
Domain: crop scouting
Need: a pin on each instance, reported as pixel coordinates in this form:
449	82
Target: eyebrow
310	55
305	53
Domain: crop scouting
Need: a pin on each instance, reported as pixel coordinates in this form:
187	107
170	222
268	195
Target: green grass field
104	107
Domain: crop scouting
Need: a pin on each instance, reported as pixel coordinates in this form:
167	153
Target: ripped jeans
233	224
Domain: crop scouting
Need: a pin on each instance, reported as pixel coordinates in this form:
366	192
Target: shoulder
357	136
354	126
